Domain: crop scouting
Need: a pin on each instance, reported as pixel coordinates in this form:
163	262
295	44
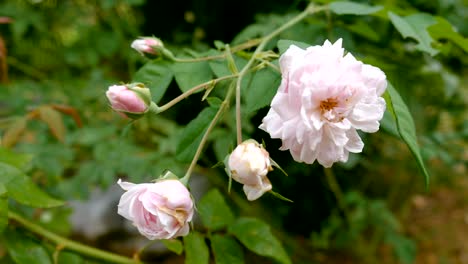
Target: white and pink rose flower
325	97
160	210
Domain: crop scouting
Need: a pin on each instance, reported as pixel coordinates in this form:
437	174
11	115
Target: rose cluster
324	98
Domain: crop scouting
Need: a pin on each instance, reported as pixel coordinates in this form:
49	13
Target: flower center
329	111
328	104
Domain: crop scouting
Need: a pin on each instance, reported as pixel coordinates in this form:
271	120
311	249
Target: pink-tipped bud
132	100
249	164
149	45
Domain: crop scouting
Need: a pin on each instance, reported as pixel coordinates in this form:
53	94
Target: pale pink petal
355	143
125	185
326	96
159	210
254	192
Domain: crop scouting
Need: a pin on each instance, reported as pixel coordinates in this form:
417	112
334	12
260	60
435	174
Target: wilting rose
249	164
160	210
324	98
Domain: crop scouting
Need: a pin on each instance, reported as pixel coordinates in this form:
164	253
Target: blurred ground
439	224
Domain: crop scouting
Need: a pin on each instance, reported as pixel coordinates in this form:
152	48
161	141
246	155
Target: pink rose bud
160	210
249	164
149	45
132	100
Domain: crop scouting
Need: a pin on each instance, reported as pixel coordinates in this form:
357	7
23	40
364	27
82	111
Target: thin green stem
243	46
271	65
336	190
191	91
69	244
25	68
207	58
309	10
213	122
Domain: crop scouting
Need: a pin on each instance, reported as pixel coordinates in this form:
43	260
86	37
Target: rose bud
149	45
132	100
160	210
249	164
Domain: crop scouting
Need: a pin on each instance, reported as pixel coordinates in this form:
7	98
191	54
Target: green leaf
3	190
224	143
388	124
12	134
18	160
174	245
214	212
405	126
196	250
261	90
156	75
351	8
220	66
3	208
404	248
70	258
54	120
364	29
415	26
253	31
193	133
24	249
56	220
22	189
283	45
257	237
444	30
226	250
214	102
190	74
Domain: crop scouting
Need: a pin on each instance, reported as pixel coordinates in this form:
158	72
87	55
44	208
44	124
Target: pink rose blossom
324	98
160	210
129	99
249	164
147	45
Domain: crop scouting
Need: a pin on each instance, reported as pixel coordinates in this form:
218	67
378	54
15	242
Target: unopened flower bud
149	45
249	164
132	100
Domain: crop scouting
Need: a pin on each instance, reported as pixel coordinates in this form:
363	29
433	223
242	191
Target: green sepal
141	91
281	197
228	172
167	175
276	165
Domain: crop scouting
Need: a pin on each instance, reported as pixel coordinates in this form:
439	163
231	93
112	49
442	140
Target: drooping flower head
160	210
249	164
325	96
